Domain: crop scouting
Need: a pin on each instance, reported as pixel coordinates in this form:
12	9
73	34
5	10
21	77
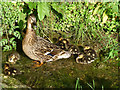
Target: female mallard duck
90	52
84	59
10	70
13	57
39	49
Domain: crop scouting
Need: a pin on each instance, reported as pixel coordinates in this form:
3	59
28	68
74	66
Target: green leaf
10	32
3	42
114	7
21	16
42	10
32	5
7	48
14	44
11	39
58	7
17	34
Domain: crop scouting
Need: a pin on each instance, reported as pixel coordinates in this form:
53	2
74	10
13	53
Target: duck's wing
46	48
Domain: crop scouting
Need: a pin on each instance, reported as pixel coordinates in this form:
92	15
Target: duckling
11	71
13	57
39	49
74	49
84	59
63	43
90	52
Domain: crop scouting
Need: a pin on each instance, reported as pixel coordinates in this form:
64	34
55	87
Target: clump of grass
79	87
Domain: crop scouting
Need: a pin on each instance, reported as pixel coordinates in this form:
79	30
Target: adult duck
39	49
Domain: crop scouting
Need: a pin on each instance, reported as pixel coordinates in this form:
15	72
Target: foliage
88	22
42	8
82	22
9	16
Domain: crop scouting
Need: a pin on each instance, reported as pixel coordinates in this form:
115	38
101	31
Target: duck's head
31	21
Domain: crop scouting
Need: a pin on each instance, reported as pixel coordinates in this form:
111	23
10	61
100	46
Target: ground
63	73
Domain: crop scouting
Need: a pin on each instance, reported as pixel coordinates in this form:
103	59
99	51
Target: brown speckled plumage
37	48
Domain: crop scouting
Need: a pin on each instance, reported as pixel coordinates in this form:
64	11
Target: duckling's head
86	47
13	58
6	66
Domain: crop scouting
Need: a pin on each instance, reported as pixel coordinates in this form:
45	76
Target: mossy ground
64	73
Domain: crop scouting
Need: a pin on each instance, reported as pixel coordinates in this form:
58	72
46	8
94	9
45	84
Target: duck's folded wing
46	47
40	55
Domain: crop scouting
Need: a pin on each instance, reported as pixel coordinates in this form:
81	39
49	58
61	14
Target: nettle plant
9	16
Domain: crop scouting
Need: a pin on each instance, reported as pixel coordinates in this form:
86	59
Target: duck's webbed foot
37	64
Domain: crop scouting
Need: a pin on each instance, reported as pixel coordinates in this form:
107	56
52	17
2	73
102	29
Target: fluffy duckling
84	59
63	43
74	49
90	52
13	57
11	71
